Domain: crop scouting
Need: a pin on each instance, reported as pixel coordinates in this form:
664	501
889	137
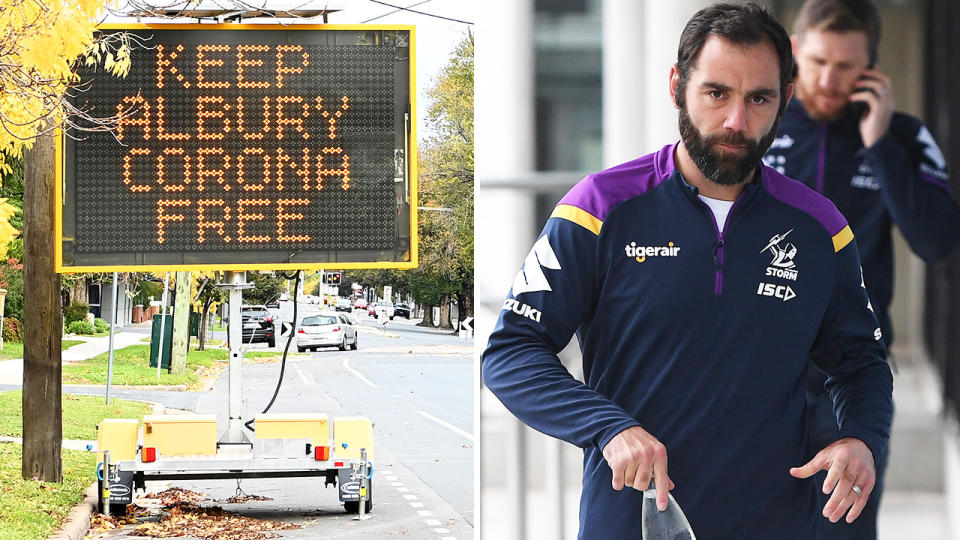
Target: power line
401	8
395	11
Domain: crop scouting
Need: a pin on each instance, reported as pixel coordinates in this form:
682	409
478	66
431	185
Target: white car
328	329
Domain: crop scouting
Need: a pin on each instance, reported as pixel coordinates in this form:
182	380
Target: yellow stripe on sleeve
842	238
579	216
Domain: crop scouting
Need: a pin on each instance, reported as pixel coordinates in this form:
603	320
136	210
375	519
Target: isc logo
783	292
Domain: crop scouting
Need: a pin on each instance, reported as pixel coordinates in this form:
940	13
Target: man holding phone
842	136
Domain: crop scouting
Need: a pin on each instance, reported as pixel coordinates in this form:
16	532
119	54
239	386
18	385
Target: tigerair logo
521	309
782	265
531	278
640	253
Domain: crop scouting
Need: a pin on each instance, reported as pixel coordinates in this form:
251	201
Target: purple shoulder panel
599	192
799	196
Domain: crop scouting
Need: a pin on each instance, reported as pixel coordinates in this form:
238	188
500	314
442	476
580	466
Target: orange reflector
148	455
338	464
321	453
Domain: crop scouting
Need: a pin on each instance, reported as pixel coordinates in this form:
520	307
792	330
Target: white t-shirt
719	208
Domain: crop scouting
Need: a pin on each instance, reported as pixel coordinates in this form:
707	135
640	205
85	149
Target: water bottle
670	524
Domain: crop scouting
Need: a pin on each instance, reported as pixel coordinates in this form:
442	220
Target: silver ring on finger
857	490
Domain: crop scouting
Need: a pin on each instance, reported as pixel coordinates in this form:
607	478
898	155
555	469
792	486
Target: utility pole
43	319
181	325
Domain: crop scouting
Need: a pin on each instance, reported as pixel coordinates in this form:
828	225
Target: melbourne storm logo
782	265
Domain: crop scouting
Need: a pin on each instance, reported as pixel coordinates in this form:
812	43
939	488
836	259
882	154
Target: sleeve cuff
609	433
877	447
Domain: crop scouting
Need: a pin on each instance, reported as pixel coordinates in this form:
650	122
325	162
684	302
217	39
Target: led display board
245	147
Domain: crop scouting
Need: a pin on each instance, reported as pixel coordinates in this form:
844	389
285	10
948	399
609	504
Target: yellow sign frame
413	261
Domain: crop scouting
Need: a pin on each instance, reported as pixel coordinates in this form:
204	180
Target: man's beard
809	101
725	170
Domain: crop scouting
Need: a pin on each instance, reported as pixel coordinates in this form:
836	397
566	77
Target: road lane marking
442	531
346	365
425	513
432	522
396	484
447	425
416	504
410	497
302	376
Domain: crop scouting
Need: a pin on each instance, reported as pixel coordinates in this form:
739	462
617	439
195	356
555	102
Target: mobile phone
860	108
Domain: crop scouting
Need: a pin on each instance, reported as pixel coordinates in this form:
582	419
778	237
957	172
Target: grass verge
67	343
30	509
11	351
131	366
81	414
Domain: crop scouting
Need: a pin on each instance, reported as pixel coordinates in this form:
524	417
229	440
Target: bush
77	311
12	330
80	327
100	325
11	279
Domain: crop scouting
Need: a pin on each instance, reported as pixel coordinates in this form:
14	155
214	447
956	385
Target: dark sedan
258	325
402	310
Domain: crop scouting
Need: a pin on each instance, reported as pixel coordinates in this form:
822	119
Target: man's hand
879	99
849	464
635	456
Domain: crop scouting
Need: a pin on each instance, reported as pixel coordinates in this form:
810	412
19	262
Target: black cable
401	8
283	361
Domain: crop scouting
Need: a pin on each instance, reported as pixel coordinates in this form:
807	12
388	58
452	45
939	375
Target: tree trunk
427	316
465	305
78	292
43	325
445	313
204	315
181	325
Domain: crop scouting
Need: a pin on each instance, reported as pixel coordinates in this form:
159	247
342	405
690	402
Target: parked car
402	310
274	304
328	329
258	325
344	305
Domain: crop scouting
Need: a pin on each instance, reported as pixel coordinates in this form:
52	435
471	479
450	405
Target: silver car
327	329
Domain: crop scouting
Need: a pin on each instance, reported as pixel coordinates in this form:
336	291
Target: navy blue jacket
699	337
901	179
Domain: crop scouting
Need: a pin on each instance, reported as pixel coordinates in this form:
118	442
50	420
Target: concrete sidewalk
11	371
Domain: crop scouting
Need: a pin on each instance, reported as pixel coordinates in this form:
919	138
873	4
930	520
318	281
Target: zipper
721	242
821	157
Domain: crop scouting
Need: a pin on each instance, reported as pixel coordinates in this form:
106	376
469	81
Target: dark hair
841	16
740	24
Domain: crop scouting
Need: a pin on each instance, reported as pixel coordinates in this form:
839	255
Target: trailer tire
353	507
118	509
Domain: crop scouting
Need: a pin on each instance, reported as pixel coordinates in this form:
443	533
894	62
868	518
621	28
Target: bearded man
699	283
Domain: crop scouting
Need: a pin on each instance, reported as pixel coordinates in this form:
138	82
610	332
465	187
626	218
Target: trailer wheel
118	509
353	507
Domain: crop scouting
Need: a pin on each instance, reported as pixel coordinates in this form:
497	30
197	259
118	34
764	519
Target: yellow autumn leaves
40	42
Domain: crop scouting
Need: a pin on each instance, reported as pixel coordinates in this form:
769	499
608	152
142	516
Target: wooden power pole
43	323
181	325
